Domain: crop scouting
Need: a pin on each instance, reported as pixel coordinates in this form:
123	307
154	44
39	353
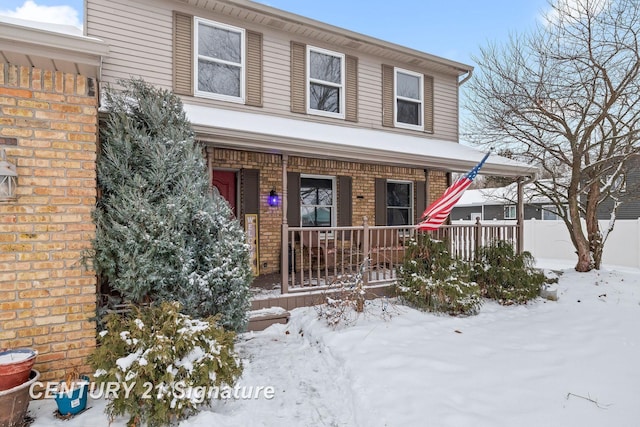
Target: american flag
434	215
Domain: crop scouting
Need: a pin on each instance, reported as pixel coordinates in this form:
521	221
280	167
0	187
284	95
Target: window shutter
421	199
381	201
182	54
387	95
254	69
428	104
293	199
351	90
298	78
250	191
345	201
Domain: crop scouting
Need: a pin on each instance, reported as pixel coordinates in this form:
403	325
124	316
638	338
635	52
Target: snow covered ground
574	362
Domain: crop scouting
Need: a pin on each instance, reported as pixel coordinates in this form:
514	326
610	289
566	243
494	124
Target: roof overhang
50	47
274	134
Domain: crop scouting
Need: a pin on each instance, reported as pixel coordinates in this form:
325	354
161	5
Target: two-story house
305	124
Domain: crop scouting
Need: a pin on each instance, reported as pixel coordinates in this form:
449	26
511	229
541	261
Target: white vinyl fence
550	240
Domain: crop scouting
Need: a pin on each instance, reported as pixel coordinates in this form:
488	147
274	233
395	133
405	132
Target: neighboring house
48	125
336	125
500	203
489	204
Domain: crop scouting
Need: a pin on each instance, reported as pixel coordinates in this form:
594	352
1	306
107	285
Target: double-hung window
317	201
220	61
325	82
409	99
399	203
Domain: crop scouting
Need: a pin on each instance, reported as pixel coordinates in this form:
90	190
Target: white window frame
396	97
341	86
411	207
619	185
334	198
508	209
197	56
549	209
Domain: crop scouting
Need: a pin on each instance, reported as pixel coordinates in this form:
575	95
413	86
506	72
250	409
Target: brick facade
47	297
363	184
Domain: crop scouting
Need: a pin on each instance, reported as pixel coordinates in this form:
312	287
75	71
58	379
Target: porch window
510	212
399	203
325	82
409	103
220	61
317	201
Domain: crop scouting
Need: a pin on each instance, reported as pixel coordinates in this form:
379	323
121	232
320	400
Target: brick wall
270	166
48	129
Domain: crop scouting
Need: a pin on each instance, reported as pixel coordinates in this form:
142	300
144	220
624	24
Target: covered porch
315	259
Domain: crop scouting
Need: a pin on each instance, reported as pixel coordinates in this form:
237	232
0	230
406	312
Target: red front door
225	182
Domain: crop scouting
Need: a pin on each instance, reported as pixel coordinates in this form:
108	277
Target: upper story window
220	61
510	212
409	102
325	82
317	201
399	203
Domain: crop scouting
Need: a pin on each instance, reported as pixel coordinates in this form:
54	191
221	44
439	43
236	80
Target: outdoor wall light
272	200
8	178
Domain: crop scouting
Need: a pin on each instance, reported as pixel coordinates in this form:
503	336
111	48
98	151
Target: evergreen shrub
161	233
430	279
167	360
505	276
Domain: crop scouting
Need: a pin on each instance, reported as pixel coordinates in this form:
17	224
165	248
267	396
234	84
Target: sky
451	29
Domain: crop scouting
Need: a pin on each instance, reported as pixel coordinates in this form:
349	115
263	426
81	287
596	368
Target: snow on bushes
505	276
431	279
161	234
166	360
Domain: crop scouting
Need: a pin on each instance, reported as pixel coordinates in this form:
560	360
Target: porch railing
316	256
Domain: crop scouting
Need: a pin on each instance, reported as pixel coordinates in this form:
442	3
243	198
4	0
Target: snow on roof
50	46
45	26
302	137
499	195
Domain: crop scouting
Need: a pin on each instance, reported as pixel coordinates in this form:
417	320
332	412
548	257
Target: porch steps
263	318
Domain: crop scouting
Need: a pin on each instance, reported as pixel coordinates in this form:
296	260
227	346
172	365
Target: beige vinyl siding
140	39
140	36
445	112
370	97
277	73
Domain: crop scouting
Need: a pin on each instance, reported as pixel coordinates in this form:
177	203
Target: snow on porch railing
314	257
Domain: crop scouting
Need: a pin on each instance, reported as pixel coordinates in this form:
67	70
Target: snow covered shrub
431	279
505	276
161	234
166	360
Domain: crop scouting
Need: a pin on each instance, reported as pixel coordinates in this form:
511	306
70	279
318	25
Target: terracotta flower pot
14	402
15	366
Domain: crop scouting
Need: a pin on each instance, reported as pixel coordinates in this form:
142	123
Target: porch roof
50	46
262	132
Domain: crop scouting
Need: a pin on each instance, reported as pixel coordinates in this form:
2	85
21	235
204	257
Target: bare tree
567	97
